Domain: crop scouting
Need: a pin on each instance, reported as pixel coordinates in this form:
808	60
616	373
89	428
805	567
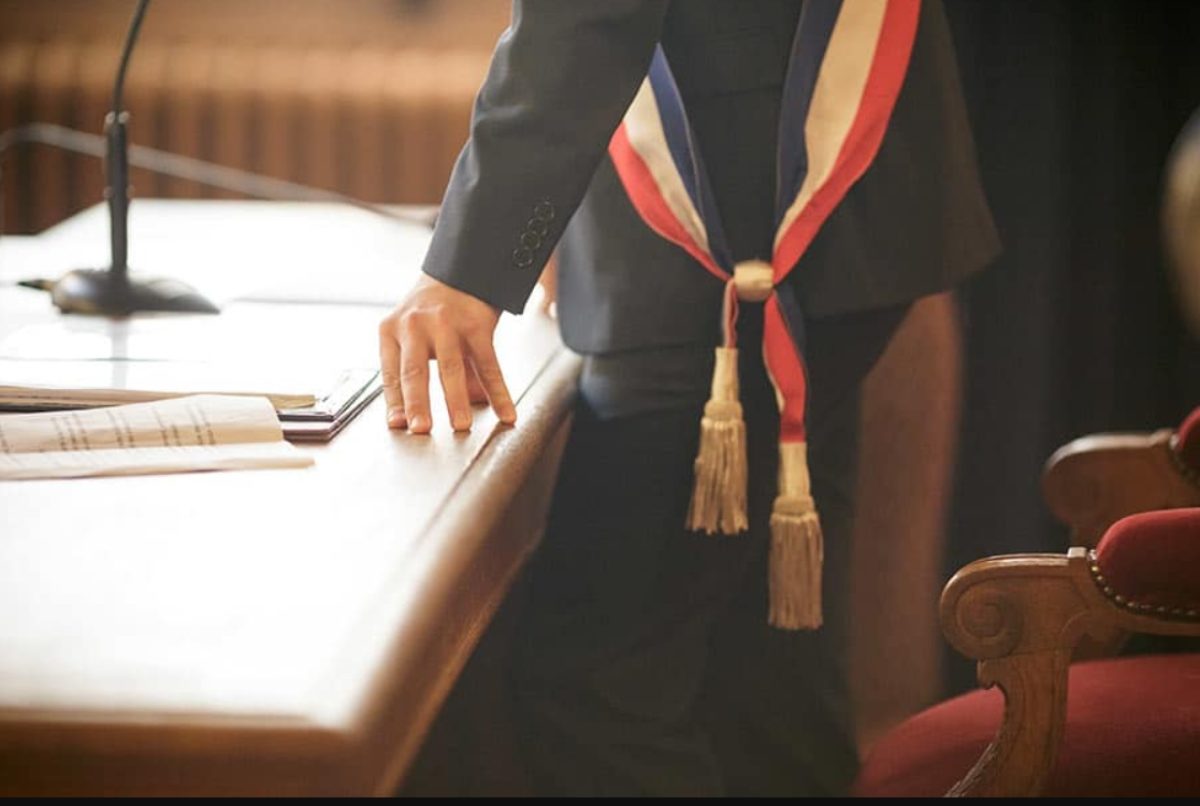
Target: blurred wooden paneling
389	24
366	97
912	401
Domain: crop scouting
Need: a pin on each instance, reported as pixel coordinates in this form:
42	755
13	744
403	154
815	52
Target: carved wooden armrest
1020	616
1092	482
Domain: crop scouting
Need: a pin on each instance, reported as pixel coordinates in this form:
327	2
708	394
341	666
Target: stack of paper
203	432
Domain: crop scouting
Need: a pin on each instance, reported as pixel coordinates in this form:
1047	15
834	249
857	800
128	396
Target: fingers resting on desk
453	328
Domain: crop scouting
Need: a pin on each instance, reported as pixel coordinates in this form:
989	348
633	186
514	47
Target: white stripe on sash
643	127
837	96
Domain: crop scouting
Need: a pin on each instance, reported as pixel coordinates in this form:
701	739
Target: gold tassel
719	494
797	546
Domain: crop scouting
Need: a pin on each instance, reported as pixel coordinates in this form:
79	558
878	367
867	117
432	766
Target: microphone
111	291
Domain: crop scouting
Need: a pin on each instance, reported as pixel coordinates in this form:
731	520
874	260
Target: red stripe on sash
888	67
647	199
787	371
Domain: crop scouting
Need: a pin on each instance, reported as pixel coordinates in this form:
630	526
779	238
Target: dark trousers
643	661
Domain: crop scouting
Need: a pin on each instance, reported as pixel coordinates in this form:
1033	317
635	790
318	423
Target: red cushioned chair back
1152	561
1187	440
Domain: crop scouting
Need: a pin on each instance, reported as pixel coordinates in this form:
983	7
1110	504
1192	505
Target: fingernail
395	417
420	423
461	423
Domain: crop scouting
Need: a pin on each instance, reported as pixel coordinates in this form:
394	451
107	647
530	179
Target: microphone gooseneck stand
111	291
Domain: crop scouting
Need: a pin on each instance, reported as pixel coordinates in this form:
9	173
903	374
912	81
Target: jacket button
522	257
531	240
544	211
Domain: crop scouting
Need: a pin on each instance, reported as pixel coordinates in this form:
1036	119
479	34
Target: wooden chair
1095	481
1127	726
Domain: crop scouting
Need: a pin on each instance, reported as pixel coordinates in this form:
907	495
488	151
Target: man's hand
439	322
548	282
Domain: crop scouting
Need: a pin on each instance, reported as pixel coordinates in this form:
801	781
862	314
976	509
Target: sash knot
754	280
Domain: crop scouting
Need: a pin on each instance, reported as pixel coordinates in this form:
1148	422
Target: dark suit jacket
561	79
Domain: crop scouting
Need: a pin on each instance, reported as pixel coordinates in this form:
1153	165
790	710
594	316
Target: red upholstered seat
1187	440
1152	561
1133	728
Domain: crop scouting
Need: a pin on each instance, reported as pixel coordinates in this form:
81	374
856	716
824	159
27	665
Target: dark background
1073	330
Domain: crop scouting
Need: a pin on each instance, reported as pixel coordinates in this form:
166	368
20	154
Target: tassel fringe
797	555
797	545
719	492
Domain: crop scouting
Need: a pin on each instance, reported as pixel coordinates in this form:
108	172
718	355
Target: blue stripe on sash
789	303
686	156
813	32
674	122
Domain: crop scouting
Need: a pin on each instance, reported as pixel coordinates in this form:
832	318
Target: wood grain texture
1020	616
267	632
1092	482
910	411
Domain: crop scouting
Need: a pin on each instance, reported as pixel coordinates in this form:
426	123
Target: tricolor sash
847	65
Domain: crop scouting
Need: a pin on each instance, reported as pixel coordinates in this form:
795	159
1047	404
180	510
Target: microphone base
98	292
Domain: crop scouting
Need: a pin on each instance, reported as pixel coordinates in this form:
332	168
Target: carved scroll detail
990	619
1019	616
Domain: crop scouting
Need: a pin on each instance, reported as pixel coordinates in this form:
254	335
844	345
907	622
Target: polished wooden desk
287	632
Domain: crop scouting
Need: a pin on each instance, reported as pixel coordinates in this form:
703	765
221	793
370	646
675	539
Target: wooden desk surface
262	632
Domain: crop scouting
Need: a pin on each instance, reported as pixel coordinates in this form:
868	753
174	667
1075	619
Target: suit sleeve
561	78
